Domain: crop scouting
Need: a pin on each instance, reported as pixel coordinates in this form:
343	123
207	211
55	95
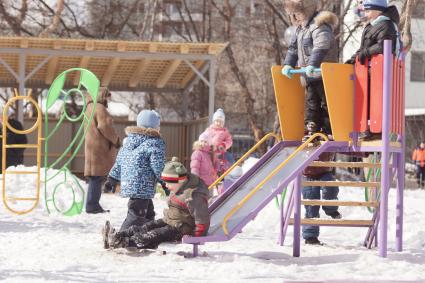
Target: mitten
286	71
200	230
309	71
363	56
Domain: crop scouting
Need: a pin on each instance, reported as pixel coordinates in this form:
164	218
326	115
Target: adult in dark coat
101	146
15	156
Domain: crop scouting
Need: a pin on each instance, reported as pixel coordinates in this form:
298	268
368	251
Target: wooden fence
179	137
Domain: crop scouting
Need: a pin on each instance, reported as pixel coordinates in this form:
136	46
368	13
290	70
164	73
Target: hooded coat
314	42
140	163
201	164
101	141
373	36
219	136
188	206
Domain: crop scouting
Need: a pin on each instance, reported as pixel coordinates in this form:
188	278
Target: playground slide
241	188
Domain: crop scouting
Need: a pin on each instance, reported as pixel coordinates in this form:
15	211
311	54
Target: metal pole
385	185
211	90
20	104
297	217
400	174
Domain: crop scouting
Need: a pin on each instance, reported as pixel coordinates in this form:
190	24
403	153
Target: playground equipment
73	203
346	90
88	82
36	127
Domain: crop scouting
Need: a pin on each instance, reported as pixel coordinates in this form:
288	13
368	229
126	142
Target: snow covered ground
38	247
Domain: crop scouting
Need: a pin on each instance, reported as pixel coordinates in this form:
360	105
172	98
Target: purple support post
400	184
297	216
282	222
385	186
195	250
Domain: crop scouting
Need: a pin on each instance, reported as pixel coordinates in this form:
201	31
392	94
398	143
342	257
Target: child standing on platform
312	44
382	25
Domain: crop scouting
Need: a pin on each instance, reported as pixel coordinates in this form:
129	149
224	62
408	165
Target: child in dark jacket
187	214
138	167
382	25
311	233
312	44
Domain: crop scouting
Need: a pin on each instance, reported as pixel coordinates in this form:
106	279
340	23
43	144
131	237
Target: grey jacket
314	43
188	206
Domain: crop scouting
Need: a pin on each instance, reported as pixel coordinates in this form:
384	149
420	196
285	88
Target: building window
419	11
417	70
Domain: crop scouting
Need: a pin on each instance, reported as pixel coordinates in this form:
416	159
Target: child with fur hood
138	167
187	214
201	161
221	140
312	44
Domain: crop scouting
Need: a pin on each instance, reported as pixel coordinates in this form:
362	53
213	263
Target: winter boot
313	241
117	240
310	129
335	215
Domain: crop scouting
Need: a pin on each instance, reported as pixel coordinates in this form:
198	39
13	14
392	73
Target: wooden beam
24	43
212	50
141	67
84	62
345	164
340	184
52	68
113	64
333	222
340	203
171	68
188	77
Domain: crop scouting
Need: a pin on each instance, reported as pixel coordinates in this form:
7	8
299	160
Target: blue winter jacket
139	163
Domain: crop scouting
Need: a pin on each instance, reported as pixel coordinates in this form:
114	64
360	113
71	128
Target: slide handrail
244	157
265	180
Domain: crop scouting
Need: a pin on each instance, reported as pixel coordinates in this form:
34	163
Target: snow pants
139	212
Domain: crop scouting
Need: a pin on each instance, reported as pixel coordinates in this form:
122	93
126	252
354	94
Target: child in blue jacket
138	167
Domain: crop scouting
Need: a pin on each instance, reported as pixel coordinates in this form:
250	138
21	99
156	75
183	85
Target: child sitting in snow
221	141
201	163
187	214
138	167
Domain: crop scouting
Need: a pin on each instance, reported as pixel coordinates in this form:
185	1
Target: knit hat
148	119
174	171
219	115
379	5
204	137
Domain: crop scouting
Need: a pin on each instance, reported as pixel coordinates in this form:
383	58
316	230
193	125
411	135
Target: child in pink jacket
221	140
201	163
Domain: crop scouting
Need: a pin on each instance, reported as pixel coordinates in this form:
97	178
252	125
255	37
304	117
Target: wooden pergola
31	62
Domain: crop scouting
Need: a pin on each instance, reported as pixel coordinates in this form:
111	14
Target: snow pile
38	247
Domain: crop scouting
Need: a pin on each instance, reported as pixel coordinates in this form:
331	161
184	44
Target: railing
258	144
271	175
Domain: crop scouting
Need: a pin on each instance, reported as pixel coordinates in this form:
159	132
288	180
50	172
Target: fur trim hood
326	17
142	131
